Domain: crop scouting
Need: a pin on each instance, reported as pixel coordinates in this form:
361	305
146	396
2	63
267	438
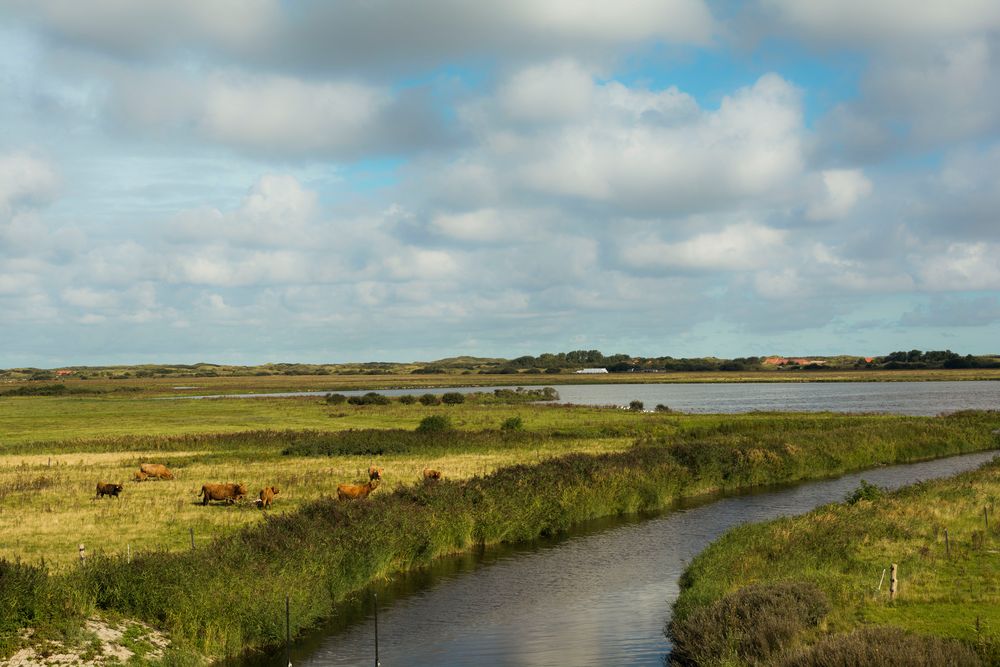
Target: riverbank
229	593
948	597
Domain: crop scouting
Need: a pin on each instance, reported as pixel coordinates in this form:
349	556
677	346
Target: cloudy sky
301	180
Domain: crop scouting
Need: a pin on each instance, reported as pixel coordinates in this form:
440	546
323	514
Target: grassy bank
229	594
947	610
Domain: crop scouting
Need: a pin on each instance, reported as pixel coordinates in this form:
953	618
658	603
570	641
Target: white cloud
877	23
961	267
24	180
842	188
557	91
739	247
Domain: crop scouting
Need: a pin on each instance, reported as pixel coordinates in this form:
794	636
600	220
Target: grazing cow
267	495
140	476
431	475
156	470
352	491
227	492
105	489
375	473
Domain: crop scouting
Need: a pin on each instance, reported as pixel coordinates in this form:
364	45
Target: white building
593	370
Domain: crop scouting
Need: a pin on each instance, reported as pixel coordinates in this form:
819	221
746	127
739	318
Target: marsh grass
948	591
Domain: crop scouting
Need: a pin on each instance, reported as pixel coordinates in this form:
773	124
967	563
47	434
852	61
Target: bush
453	398
430	399
371	398
336	399
553	371
407	399
512	424
865	491
885	647
636	406
747	626
434	424
660	407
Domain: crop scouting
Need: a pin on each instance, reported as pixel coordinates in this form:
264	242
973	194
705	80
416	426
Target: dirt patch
102	643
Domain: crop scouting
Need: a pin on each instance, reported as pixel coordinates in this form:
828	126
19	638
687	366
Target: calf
156	470
106	489
353	491
267	495
375	473
140	476
431	475
227	492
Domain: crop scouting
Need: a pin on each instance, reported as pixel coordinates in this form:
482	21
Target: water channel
599	595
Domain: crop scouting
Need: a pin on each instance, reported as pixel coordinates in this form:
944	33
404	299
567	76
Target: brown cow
156	470
431	475
267	495
106	489
375	473
352	491
140	476
227	492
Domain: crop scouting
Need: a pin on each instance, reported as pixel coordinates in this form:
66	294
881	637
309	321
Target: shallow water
907	398
599	595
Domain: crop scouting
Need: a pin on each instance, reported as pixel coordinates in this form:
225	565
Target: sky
252	181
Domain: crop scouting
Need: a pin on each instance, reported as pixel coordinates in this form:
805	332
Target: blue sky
254	181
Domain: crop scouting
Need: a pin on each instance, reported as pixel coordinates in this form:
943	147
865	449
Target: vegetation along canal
599	595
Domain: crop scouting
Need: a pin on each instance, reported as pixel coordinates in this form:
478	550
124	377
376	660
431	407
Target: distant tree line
916	359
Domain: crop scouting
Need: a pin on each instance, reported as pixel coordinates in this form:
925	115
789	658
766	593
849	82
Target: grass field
949	590
54	450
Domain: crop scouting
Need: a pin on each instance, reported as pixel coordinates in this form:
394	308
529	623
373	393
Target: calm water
598	596
910	398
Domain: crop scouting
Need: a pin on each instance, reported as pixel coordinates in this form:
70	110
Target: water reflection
598	596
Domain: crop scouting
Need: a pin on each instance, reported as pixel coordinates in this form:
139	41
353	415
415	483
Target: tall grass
229	595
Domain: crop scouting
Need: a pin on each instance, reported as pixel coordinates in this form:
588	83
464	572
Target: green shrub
636	406
430	399
434	424
748	626
660	407
512	424
407	399
865	491
336	399
371	398
884	647
453	398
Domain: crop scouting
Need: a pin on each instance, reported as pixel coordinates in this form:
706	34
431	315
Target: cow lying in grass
140	476
156	470
375	473
353	491
227	492
267	495
432	475
106	489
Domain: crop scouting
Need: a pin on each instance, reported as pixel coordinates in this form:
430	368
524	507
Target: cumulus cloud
961	267
24	180
313	35
738	247
842	188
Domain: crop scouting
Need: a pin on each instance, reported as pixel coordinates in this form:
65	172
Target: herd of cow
231	493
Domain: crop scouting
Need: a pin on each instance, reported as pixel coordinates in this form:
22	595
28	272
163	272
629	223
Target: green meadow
513	470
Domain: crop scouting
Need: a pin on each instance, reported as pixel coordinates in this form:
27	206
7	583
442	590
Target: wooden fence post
893	582
947	544
83	554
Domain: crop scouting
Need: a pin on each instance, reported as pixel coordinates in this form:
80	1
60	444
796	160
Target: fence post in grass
129	557
986	519
192	537
83	554
288	632
375	599
881	579
893	583
947	544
